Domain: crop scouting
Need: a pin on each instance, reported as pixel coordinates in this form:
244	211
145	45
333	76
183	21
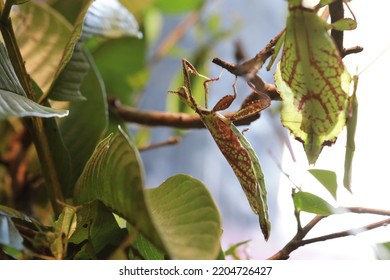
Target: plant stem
5	10
35	124
299	241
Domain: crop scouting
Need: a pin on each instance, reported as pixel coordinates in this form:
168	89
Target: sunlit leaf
312	81
110	19
327	178
13	105
186	217
13	100
311	203
42	35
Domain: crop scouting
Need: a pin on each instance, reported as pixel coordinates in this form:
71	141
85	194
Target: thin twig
298	240
346	232
171	141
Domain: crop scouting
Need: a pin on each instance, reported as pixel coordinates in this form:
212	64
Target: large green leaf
13	100
184	223
86	123
186	217
114	175
312	81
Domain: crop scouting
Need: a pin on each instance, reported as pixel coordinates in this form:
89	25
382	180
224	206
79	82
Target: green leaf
86	124
42	35
114	175
186	217
13	105
97	232
344	24
13	100
141	247
123	75
179	6
67	85
327	178
312	81
311	203
69	77
232	250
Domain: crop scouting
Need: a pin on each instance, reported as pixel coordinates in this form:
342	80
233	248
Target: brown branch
346	232
336	11
298	240
158	118
295	242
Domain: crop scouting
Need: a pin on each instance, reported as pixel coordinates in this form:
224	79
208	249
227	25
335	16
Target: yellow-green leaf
311	203
313	82
327	178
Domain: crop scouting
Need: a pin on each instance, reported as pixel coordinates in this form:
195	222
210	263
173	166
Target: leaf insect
233	145
312	79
